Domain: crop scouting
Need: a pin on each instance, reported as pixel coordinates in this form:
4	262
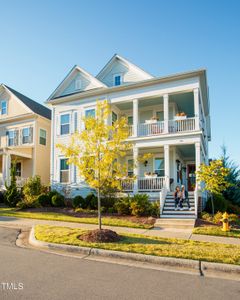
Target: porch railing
127	185
183	125
150	184
145	129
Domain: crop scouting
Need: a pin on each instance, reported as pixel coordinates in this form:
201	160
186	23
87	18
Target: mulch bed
100	236
70	212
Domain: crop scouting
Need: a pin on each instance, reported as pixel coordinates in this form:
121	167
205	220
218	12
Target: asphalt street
32	274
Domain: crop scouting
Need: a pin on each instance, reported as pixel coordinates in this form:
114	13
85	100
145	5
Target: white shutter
71	121
57	125
82	115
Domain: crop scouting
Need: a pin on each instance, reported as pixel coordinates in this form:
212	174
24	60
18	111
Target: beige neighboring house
25	136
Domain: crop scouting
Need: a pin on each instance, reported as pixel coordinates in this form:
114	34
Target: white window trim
69	173
11	130
121	78
1	107
78	84
40	136
89	108
70	119
25	127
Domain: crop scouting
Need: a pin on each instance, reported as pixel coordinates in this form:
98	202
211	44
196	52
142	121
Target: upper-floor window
64	170
159	115
117	79
130	164
65	124
159	166
3	107
43	137
26	135
78	84
90	113
130	120
11	137
114	117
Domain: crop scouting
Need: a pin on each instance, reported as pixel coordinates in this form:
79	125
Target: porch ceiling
185	102
187	151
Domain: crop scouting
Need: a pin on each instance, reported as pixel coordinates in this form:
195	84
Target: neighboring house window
64	171
78	84
90	113
3	107
65	124
26	135
130	120
11	137
117	80
130	167
18	167
114	117
159	166
43	137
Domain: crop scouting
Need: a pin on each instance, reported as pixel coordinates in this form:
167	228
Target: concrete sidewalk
156	232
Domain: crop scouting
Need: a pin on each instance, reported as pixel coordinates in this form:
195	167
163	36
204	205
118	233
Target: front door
191	177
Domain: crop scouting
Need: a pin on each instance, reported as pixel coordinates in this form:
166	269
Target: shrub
31	190
58	200
155	209
108	202
140	205
206	216
78	201
220	204
44	200
52	193
91	202
12	195
122	206
232	208
1	197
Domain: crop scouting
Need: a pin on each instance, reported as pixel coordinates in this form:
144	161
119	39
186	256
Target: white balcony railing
157	128
146	129
183	125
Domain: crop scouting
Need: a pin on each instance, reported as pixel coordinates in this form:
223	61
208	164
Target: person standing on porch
184	197
177	197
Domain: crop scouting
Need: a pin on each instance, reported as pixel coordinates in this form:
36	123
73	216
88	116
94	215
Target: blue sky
42	40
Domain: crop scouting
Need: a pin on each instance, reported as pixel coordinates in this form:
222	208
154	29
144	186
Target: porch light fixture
145	163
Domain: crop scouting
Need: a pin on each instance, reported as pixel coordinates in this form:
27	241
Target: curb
201	267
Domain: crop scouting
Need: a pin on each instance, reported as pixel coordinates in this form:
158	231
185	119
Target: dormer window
78	84
117	79
3	107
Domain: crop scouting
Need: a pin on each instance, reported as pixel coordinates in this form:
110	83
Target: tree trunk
212	204
99	211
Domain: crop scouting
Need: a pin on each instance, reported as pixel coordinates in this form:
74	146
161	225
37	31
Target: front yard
166	247
217	231
69	215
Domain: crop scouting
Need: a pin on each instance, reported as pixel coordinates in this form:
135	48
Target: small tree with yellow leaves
96	151
214	177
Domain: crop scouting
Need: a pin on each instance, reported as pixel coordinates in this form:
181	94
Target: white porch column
165	112
6	167
135	117
167	166
197	157
135	169
196	107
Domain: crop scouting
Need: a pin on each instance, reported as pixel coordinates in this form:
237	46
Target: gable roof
36	107
95	81
126	62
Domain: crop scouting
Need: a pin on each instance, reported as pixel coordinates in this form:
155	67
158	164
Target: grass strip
217	231
167	247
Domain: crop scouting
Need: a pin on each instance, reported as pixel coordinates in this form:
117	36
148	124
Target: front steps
169	211
168	223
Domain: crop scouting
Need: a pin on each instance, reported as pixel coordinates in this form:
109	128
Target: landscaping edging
196	266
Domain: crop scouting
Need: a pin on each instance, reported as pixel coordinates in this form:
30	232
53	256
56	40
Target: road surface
32	274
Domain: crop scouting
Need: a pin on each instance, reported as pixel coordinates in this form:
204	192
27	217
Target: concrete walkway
157	232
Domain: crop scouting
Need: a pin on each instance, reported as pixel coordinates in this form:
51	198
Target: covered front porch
166	167
24	165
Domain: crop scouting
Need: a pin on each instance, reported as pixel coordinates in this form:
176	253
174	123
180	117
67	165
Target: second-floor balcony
153	128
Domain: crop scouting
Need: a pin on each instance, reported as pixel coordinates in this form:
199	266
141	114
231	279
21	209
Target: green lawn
11	212
146	245
214	230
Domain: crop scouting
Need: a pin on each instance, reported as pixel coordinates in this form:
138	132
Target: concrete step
171	216
178	212
183	223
